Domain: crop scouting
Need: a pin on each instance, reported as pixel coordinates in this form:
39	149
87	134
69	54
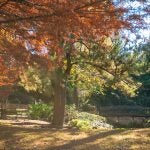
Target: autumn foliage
49	22
8	74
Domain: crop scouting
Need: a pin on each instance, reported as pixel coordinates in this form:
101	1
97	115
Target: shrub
86	121
147	124
40	111
71	113
88	108
80	124
96	121
90	117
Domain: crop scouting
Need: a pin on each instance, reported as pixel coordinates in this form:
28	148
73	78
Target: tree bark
76	92
3	109
59	87
75	96
59	80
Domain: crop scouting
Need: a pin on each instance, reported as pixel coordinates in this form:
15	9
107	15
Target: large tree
45	32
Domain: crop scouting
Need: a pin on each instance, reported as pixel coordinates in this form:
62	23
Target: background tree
8	78
142	75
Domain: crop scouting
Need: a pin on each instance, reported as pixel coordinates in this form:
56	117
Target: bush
80	124
71	113
90	117
40	111
147	124
96	121
87	121
88	108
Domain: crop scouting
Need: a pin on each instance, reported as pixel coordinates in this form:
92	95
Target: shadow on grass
20	138
84	141
13	135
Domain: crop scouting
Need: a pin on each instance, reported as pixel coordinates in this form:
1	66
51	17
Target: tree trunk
76	92
3	109
59	87
75	96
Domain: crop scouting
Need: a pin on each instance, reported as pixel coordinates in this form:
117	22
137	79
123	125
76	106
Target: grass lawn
32	138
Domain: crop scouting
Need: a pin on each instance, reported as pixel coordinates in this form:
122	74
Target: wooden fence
15	111
128	111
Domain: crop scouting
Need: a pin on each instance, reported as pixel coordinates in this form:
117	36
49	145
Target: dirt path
27	137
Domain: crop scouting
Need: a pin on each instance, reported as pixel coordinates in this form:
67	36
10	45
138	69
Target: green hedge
40	111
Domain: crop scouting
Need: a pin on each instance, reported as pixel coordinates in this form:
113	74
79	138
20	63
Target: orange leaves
53	21
8	71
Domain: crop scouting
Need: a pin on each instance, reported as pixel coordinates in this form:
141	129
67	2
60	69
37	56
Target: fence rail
125	111
15	110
